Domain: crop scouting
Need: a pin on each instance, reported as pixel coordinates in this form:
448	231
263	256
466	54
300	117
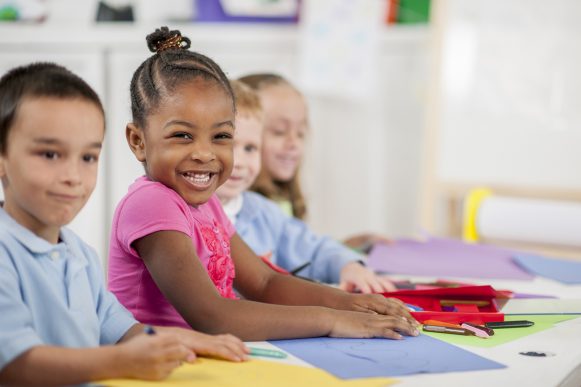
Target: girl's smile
200	180
285	130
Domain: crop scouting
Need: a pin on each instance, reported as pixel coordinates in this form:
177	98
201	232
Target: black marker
300	268
509	324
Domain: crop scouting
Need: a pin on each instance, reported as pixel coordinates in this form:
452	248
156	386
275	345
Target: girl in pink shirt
174	256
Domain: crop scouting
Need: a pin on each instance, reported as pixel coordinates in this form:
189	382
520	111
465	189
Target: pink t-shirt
150	207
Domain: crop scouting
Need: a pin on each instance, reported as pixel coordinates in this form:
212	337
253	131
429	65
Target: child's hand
227	346
366	325
378	304
152	357
355	276
364	242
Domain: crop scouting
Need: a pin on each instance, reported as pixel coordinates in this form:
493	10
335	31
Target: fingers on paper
230	347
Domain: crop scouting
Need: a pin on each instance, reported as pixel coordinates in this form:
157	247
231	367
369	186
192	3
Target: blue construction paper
566	271
366	358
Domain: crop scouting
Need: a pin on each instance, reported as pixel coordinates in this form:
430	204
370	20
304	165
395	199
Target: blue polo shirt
266	228
53	294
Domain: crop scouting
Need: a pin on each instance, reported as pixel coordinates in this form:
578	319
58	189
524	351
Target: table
564	341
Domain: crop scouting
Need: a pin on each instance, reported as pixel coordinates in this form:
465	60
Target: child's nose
72	173
203	152
293	139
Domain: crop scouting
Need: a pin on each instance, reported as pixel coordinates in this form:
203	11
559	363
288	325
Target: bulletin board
504	103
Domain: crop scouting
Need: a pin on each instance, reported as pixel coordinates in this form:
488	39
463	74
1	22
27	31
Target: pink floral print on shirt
220	265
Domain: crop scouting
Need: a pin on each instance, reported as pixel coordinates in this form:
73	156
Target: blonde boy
266	228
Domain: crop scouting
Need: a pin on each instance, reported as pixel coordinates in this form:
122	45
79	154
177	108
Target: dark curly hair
171	65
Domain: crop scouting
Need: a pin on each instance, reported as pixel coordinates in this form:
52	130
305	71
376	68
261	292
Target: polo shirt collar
31	241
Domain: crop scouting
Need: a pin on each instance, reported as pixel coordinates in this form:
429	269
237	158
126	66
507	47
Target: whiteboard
509	93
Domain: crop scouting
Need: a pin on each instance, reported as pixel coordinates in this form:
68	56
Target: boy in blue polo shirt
58	323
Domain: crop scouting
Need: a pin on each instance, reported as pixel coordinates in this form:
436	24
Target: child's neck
232	207
49	233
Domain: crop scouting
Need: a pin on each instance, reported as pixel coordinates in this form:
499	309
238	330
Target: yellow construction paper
255	373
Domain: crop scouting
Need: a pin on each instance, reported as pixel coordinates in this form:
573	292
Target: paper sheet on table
255	373
360	358
542	306
440	257
565	271
505	335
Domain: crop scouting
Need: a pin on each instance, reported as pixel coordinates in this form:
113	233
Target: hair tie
174	41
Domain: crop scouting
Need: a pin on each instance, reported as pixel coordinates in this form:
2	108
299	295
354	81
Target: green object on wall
8	13
413	11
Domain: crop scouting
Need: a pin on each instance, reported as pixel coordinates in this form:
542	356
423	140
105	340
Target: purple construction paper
528	295
445	257
367	358
565	271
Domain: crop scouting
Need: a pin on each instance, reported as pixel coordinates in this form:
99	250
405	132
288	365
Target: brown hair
265	184
41	79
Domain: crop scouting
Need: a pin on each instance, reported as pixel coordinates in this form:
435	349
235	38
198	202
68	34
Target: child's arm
150	357
172	261
256	281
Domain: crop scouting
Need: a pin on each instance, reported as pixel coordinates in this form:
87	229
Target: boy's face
49	169
285	128
247	146
187	144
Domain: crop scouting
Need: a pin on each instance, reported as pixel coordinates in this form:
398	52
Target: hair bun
164	39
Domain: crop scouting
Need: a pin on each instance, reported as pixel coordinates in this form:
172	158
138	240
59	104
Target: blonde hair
246	99
265	184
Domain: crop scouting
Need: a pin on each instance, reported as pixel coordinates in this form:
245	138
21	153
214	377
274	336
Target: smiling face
187	142
247	147
284	131
49	169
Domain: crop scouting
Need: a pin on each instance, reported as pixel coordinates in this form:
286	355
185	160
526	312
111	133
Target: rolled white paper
530	220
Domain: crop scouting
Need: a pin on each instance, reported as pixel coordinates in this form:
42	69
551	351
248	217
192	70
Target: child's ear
135	140
2	171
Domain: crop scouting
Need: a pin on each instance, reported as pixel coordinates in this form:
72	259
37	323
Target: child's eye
224	136
278	131
50	155
182	135
302	133
250	148
90	158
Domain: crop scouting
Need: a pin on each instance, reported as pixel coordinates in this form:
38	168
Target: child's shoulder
144	193
144	184
75	242
257	201
10	231
255	205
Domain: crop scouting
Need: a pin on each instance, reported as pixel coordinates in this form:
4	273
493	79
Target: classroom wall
365	164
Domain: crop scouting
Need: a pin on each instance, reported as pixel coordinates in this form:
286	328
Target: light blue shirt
266	228
53	294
